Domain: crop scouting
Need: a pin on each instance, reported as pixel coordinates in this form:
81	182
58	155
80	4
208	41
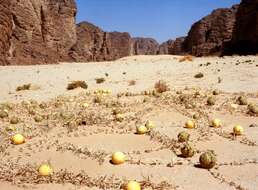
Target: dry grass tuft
131	82
24	87
161	86
77	84
186	58
100	80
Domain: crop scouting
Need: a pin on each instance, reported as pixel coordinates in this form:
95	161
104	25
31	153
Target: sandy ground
79	141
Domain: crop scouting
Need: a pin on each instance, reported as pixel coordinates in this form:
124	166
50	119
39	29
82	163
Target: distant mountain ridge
45	32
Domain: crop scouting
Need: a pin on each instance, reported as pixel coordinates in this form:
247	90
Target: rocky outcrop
6	30
207	36
93	44
42	31
144	46
245	34
172	47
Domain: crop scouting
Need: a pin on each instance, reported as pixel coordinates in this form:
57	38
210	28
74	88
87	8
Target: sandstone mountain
93	44
145	46
172	47
36	31
45	31
245	34
207	36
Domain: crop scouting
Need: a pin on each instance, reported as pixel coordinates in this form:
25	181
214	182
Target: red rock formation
245	35
145	46
94	44
172	47
42	30
207	36
6	29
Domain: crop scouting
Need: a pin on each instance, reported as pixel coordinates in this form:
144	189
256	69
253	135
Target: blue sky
159	19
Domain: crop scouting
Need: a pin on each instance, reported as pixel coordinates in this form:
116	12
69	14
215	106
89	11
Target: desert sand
78	141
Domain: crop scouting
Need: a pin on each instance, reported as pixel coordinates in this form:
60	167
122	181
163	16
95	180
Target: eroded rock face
145	46
207	36
94	44
172	47
6	31
42	30
245	34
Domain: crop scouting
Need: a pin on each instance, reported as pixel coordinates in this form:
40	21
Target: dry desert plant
100	80
23	87
76	84
186	58
131	82
161	86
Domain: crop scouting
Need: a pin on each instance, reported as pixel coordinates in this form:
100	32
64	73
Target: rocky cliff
6	30
245	34
207	36
145	46
93	44
172	47
37	31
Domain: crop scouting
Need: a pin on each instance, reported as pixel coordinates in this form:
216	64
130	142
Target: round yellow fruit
118	158
149	125
190	124
141	130
216	123
133	185
45	170
85	105
119	117
238	130
234	106
18	139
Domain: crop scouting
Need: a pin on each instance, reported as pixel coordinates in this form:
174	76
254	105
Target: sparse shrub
23	87
215	92
199	75
131	82
77	84
161	86
100	80
186	58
